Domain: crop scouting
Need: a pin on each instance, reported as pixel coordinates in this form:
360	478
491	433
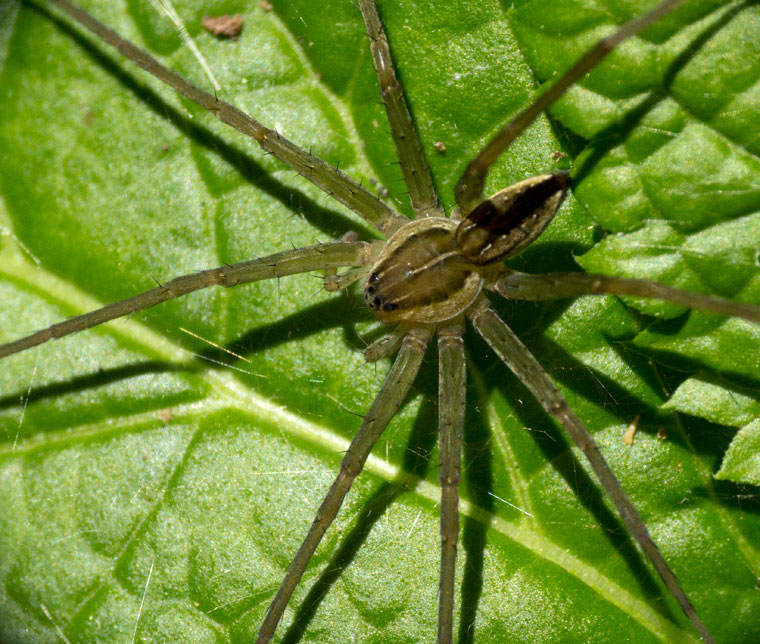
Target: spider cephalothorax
433	269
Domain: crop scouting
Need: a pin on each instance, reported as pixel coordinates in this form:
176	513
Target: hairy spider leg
414	168
289	262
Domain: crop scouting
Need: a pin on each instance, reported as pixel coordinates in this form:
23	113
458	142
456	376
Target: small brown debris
224	26
439	146
165	415
662	433
631	431
557	155
265	6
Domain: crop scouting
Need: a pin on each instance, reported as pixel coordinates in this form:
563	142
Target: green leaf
154	494
716	400
741	463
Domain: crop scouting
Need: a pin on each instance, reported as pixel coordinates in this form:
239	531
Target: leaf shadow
343	311
477	467
87	382
743	498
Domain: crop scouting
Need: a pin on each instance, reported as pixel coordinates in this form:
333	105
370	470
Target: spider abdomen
421	276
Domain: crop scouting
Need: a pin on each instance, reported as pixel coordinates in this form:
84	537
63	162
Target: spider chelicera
436	303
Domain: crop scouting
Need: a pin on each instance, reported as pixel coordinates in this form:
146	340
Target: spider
217	603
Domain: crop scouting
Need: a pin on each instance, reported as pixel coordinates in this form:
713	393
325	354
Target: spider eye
507	222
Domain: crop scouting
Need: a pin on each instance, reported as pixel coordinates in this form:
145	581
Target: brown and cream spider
122	520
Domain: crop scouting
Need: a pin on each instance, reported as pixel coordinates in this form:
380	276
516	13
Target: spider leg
393	392
340	281
451	405
385	346
469	188
554	286
299	260
408	147
522	363
334	182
